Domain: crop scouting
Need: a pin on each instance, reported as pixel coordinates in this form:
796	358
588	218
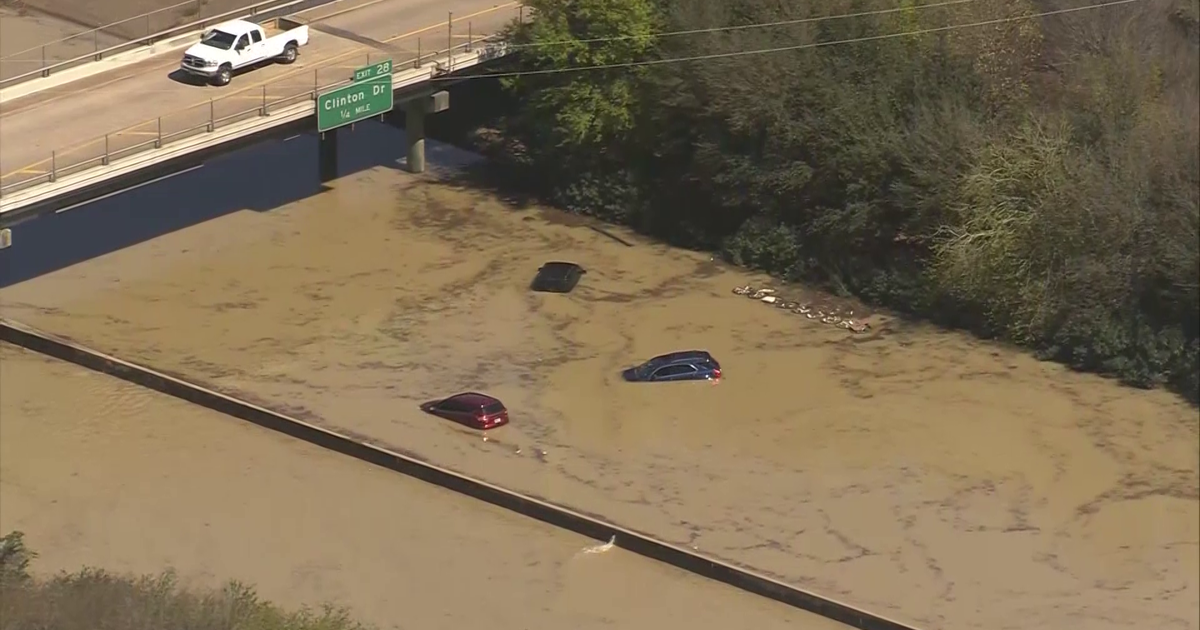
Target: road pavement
29	41
117	112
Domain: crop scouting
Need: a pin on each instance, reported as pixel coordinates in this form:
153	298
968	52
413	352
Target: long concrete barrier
409	464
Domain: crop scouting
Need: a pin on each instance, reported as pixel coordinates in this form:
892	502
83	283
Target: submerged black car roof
558	268
557	277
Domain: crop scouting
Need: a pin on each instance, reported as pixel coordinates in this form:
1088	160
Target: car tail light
716	373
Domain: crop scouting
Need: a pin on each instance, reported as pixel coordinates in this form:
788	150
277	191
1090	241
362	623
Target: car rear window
493	408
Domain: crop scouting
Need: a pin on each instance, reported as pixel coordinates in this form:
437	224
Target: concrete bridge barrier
70	183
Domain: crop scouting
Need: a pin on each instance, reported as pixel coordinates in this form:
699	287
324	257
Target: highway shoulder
157	63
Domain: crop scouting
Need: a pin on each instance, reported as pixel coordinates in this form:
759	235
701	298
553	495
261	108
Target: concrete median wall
592	527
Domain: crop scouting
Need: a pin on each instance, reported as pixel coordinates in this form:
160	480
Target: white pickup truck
240	44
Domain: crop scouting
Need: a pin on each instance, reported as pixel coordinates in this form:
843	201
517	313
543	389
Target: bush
92	599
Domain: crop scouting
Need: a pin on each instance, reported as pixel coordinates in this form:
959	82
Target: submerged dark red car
473	409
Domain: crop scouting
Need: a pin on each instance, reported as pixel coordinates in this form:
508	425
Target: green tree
1033	179
590	107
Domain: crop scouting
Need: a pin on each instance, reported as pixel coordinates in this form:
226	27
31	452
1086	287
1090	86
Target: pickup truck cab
240	44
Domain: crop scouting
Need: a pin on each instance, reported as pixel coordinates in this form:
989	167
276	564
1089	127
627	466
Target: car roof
235	27
682	356
559	267
475	398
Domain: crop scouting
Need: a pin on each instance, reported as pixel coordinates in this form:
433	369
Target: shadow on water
259	178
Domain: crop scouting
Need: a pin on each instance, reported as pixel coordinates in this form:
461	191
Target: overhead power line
742	27
778	49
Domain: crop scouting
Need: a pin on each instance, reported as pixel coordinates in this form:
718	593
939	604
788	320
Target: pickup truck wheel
290	52
224	76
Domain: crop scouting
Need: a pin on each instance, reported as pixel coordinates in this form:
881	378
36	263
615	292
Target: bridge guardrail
154	33
220	112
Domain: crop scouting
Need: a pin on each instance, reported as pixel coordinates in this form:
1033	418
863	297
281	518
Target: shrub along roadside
92	599
1036	181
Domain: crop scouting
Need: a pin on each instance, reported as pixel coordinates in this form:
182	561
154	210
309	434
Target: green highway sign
373	70
354	103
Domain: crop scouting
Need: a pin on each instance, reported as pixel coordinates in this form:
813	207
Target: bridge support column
327	156
414	126
414	135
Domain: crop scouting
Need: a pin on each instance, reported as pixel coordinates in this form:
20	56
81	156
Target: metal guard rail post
265	6
163	139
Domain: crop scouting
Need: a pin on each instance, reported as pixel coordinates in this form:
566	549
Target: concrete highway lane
136	104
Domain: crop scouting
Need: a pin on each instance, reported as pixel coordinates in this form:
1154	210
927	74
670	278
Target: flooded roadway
102	473
919	473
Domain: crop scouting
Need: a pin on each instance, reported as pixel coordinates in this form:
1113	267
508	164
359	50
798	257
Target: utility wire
765	51
698	31
739	27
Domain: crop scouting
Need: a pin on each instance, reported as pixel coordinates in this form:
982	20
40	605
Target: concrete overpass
66	143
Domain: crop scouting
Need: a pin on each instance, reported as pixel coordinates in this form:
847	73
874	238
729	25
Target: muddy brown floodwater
919	473
103	473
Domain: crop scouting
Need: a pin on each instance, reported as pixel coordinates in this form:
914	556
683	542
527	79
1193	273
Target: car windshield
218	39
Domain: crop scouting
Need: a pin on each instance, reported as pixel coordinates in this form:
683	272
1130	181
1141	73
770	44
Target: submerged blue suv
691	365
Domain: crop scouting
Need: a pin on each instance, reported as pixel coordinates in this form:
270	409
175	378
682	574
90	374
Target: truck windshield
218	39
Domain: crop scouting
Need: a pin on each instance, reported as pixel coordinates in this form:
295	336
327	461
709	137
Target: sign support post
369	96
327	156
